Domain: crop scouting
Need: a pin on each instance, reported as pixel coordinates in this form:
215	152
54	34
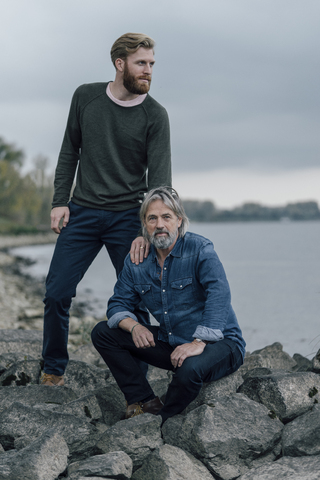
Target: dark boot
153	406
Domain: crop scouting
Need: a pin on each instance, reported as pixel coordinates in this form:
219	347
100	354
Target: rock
30	313
137	436
213	390
159	380
83	378
171	463
87	353
86	407
287	395
111	402
36	461
35	394
23	421
271	356
21	374
316	363
17	341
287	468
227	437
302	436
303	363
116	465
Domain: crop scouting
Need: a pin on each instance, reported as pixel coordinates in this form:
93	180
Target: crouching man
183	284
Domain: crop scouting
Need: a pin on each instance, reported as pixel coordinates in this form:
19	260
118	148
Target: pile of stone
260	422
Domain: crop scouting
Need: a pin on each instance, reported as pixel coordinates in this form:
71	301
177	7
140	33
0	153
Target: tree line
205	211
25	199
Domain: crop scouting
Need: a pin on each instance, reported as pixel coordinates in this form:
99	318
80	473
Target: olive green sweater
120	152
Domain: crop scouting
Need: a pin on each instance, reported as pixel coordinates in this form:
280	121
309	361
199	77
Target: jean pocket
182	293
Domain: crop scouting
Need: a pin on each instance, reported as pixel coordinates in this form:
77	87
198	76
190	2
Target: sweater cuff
208	334
113	322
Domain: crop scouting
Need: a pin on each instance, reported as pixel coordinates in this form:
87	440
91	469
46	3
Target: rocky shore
262	422
21	296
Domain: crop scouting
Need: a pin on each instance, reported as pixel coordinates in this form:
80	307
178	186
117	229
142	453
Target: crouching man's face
161	225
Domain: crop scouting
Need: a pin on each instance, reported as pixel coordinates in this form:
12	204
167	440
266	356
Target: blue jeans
77	246
120	354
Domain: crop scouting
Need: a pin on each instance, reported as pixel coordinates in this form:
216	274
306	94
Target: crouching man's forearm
141	336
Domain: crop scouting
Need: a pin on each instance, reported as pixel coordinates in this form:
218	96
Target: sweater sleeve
68	157
159	151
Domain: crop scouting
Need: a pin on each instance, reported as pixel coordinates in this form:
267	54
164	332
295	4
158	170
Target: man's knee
188	373
99	334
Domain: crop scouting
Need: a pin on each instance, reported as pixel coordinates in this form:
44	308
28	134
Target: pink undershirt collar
127	103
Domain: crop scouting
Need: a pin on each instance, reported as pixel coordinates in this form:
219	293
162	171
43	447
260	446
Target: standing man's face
138	71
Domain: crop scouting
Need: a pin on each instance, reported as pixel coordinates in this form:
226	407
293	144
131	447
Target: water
272	268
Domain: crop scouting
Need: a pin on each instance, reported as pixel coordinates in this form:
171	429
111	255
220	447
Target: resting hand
139	250
184	351
142	337
57	214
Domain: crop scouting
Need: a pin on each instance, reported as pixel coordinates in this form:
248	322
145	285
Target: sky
239	79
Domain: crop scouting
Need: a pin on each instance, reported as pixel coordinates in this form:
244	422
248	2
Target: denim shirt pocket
182	293
145	292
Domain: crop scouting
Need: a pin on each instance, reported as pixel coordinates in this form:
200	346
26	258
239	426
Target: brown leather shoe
153	406
52	380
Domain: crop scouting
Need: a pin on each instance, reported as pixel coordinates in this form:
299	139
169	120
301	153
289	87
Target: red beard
131	83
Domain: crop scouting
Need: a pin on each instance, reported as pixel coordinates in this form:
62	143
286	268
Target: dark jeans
119	352
77	246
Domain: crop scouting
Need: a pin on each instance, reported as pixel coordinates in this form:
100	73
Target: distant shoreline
11	241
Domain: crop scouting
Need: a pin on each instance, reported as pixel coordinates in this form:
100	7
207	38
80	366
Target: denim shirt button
165	313
163	290
170	333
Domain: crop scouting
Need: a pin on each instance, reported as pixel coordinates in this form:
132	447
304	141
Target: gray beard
162	242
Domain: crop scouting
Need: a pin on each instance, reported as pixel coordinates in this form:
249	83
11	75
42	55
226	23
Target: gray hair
170	197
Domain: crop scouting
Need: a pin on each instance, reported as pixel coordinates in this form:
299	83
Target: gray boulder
271	356
137	436
306	468
286	394
83	378
171	463
87	353
8	359
302	436
86	407
44	459
228	437
213	390
316	363
116	465
303	363
27	422
26	372
111	402
16	341
34	395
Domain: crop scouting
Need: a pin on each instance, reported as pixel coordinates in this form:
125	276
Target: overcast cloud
239	79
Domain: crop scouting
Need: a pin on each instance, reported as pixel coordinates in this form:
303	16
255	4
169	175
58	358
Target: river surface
273	269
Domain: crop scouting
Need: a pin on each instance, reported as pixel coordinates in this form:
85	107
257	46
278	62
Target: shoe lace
137	411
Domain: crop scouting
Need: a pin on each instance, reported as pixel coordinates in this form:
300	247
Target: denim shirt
192	300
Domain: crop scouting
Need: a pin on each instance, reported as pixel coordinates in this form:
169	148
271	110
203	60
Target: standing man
183	284
117	138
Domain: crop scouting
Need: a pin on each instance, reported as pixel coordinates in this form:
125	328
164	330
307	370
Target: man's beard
131	83
162	242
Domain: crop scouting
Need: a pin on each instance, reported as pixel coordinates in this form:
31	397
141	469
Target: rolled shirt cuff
113	322
208	334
